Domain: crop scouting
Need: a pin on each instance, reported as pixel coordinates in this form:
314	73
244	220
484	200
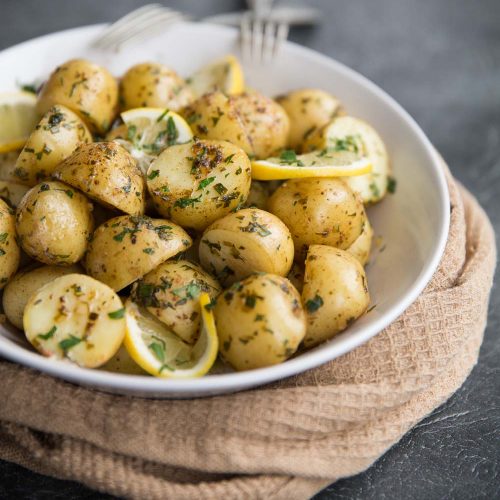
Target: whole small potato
87	89
360	249
265	121
260	321
24	284
246	242
171	293
318	211
308	110
57	135
125	248
10	253
12	192
107	173
198	182
335	292
153	85
54	223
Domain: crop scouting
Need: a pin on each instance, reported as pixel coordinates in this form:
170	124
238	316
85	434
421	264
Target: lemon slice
323	163
224	74
17	119
161	352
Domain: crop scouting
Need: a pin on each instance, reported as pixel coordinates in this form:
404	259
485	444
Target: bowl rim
150	386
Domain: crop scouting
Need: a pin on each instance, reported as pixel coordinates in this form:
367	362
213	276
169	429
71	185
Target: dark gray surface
441	60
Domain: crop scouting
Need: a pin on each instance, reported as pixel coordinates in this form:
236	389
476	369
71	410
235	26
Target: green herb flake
153	174
69	343
160	118
3	237
149	251
48	335
205	182
391	184
118	314
312	305
220	188
288	157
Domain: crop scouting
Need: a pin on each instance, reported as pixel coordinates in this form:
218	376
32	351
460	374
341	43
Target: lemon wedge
161	353
18	118
323	163
224	74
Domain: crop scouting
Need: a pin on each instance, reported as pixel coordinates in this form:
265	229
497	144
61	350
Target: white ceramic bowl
413	223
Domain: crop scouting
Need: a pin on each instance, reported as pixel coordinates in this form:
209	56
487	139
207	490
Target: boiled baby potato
265	121
321	211
54	223
107	173
25	283
12	192
171	292
198	182
246	242
335	292
360	249
57	135
77	318
308	110
87	89
153	85
214	116
346	133
260	321
125	248
10	253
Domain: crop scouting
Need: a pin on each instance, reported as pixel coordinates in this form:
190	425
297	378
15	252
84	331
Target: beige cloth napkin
284	441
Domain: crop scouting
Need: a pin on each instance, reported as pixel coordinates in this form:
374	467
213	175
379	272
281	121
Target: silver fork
137	25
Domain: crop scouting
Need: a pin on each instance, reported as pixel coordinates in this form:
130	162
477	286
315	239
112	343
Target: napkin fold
283	441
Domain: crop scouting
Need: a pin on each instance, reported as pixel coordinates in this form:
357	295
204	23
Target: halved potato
361	248
10	253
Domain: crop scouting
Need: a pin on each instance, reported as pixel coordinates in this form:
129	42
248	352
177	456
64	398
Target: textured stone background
441	60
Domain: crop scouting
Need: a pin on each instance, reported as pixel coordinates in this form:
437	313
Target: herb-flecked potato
171	293
10	254
84	87
24	284
260	321
77	318
54	222
245	242
322	211
361	248
57	135
12	192
107	173
308	110
335	292
196	183
125	248
153	85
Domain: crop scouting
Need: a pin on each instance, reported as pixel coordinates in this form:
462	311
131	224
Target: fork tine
268	47
281	36
257	39
245	37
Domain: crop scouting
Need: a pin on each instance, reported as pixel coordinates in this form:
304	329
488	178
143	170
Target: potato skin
24	284
321	211
171	293
10	253
154	85
265	121
54	222
57	135
125	248
260	321
87	89
335	292
107	173
246	242
198	182
361	248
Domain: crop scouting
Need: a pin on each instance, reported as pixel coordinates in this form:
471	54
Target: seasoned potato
153	85
171	293
107	173
318	211
246	242
12	192
308	110
360	249
10	253
57	135
260	321
125	248
75	317
54	222
335	292
265	121
24	284
214	116
258	196
87	89
198	182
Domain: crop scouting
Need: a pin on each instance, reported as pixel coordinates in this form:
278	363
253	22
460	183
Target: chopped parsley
312	305
70	342
49	334
153	174
391	184
118	314
205	182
